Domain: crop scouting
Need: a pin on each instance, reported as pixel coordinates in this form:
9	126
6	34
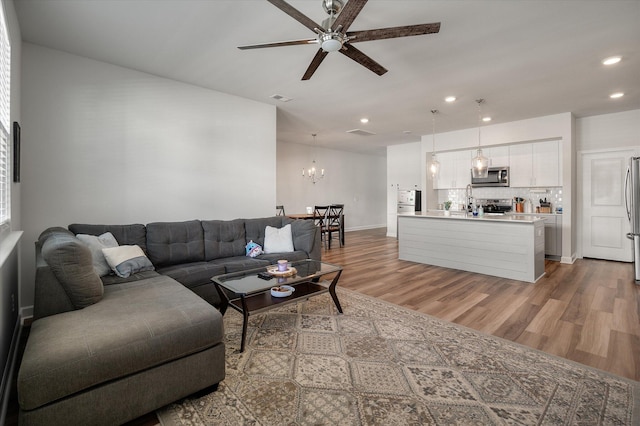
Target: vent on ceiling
280	98
360	132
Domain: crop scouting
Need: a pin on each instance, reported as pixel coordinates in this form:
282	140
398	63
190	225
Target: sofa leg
205	391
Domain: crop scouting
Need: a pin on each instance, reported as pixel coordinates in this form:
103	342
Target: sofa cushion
127	260
136	326
254	228
272	258
96	244
72	264
171	243
223	238
114	279
192	274
304	235
239	263
135	234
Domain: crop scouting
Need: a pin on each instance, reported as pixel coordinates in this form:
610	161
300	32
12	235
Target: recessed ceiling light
611	60
485	119
450	98
364	120
616	95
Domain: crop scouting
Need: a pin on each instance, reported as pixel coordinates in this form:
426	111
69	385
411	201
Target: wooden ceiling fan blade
280	43
295	14
349	13
315	63
362	59
393	32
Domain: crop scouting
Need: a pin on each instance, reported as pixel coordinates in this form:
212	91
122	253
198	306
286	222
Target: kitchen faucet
469	195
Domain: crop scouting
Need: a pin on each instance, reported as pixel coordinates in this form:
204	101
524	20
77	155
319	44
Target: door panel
604	219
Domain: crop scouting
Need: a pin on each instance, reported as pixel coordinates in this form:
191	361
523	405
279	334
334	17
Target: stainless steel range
493	205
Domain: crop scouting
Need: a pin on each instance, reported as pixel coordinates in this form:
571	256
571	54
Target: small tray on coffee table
273	270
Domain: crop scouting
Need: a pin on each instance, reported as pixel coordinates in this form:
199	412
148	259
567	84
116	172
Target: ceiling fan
333	36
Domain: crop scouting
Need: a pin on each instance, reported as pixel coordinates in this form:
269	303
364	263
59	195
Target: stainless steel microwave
498	176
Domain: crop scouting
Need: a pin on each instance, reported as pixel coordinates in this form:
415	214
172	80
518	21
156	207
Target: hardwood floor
587	312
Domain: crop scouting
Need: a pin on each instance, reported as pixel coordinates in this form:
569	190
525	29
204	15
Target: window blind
5	121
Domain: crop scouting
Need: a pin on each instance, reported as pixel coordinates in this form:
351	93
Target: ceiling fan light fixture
331	42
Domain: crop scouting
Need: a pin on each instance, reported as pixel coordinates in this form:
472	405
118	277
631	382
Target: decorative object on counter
447	206
519	202
312	172
480	211
434	167
545	206
480	163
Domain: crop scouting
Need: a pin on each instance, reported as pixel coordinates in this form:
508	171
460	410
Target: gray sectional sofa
105	350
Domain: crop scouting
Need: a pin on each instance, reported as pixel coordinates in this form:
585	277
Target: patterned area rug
381	364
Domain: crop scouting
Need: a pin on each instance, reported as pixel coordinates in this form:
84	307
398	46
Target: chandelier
313	173
479	163
434	167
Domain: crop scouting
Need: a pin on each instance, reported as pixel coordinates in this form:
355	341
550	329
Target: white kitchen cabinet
535	164
455	170
552	235
498	156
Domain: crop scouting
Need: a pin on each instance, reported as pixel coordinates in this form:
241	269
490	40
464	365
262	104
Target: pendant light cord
433	134
479	101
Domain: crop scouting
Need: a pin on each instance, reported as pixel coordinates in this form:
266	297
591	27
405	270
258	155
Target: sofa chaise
107	349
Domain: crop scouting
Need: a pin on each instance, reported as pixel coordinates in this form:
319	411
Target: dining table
311	216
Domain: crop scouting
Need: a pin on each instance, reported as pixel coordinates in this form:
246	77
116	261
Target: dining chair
320	219
335	223
280	211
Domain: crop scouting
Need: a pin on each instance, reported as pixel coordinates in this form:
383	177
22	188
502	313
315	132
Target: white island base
505	246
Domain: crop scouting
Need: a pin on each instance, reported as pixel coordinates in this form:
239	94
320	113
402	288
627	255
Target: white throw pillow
96	244
278	240
127	260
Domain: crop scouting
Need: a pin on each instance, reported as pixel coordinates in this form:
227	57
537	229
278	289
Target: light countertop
461	215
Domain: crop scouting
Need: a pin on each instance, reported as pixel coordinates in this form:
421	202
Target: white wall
617	130
355	180
105	144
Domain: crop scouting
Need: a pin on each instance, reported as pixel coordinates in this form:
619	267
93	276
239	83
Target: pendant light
480	163
312	172
434	167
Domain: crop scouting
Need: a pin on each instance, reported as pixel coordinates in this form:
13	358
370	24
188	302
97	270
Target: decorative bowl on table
282	291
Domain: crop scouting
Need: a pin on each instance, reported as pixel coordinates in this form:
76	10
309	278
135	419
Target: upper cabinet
455	170
498	156
535	164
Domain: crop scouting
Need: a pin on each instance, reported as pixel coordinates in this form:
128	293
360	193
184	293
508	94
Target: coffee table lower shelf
264	301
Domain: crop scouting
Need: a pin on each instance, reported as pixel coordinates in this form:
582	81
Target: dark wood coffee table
248	294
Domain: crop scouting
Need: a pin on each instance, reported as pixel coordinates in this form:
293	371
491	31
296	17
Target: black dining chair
335	223
280	211
320	219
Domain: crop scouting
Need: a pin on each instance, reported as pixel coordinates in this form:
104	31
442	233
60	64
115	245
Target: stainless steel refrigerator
632	199
409	201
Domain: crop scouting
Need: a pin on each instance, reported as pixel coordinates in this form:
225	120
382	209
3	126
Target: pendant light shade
434	167
480	163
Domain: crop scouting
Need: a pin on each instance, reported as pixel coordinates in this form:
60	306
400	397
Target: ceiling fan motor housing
332	7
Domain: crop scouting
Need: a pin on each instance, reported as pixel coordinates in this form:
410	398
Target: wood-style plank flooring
587	312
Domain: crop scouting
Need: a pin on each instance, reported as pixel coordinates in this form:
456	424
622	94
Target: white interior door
604	217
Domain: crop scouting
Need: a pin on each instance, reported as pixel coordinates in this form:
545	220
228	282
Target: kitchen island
507	246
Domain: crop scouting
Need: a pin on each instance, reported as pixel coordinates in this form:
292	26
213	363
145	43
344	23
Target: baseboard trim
362	228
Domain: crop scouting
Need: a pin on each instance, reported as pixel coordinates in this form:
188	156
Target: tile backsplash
457	196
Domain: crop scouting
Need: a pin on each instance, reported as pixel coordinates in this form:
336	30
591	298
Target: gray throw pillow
96	244
71	262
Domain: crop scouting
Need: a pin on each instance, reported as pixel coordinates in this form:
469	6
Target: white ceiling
526	58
